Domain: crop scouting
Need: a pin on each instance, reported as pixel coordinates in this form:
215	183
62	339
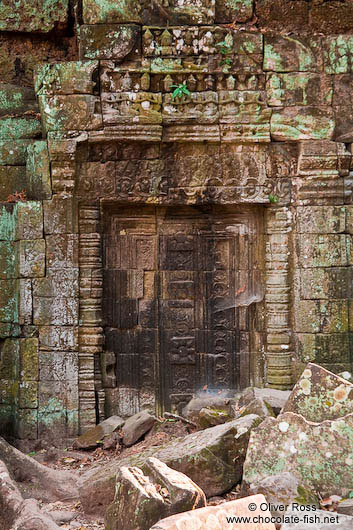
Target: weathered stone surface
292	54
258	407
143	498
299	88
109	11
74	112
279	490
323	250
215	517
338	54
320	395
137	426
38	170
193	408
31	258
94	437
324	521
278	15
211	458
209	417
15	100
21	127
13	153
302	123
228	11
33	15
79	77
284	443
12	180
108	41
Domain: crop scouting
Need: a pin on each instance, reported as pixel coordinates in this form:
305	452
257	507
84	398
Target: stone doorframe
274	353
294	175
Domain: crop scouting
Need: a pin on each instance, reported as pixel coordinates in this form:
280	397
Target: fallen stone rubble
264	443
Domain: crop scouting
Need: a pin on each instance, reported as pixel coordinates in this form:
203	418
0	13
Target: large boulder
136	426
141	499
212	458
205	400
95	436
272	398
320	395
222	517
320	455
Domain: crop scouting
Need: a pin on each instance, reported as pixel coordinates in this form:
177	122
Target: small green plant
180	90
225	49
350	496
273	198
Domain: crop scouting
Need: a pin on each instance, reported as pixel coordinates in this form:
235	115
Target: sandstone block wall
88	120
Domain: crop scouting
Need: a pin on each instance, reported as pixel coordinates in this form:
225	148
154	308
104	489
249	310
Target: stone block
141	498
321	219
62	338
314	316
108	41
58	366
320	283
8	259
31	260
14	152
26	424
335	17
16	100
25	302
29	359
24	127
320	395
12	180
323	157
52	425
76	77
94	436
73	112
344	123
57	396
292	54
338	53
28	395
302	123
60	216
137	426
10	360
198	107
33	15
8	222
324	250
215	517
29	220
233	11
9	391
55	311
324	348
61	283
62	251
111	12
127	107
321	190
298	88
38	170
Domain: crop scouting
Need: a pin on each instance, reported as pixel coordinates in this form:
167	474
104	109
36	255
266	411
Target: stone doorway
180	287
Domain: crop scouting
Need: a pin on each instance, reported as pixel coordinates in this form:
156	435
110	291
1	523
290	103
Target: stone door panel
171	276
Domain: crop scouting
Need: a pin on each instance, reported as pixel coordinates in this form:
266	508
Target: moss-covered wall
270	96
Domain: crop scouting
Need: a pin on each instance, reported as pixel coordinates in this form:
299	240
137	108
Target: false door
171	281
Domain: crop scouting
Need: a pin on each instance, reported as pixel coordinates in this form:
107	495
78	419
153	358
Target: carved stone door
171	316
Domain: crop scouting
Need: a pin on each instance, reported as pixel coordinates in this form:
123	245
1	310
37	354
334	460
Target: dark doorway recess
177	281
